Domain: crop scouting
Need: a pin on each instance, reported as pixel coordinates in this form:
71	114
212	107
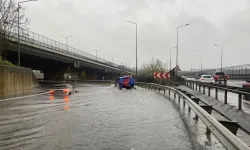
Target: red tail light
65	90
52	92
227	76
216	77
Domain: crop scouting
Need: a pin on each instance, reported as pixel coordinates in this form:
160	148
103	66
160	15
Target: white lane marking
9	99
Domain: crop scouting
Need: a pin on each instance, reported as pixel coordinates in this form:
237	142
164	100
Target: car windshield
207	76
220	73
60	86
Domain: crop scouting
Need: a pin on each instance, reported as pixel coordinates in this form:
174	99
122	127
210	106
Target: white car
207	79
63	89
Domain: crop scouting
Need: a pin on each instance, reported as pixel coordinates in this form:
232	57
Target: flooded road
100	118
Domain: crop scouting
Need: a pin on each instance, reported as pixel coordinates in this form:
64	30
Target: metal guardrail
228	139
34	38
194	84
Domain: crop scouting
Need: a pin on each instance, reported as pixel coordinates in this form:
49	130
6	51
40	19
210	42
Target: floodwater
98	118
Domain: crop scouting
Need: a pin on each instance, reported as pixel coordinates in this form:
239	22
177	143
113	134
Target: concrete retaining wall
16	81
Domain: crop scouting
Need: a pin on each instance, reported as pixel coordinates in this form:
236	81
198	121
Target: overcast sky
102	25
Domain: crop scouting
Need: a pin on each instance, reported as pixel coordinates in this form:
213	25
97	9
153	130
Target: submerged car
126	82
63	89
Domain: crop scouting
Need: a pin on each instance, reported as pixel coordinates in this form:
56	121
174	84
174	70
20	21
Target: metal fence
240	70
34	38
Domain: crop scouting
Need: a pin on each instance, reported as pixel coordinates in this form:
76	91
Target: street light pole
171	58
221	55
135	45
177	46
201	62
191	66
18	26
66	38
95	53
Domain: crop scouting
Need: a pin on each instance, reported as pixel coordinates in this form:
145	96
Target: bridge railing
227	138
196	85
34	38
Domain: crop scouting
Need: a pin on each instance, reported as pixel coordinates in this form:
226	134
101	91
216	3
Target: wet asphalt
101	118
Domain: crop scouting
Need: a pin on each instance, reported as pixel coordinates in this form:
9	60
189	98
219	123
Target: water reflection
51	97
66	100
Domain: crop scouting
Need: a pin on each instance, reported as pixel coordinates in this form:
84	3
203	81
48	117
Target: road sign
161	75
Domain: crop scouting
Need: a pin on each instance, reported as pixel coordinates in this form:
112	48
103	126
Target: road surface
98	117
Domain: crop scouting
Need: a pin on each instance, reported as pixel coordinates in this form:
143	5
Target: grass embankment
5	62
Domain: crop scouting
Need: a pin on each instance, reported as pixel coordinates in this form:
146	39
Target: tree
146	73
9	20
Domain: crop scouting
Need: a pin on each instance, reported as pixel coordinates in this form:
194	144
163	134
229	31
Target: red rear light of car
216	77
227	77
65	90
52	92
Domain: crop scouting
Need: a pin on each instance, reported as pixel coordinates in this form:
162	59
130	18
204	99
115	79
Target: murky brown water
98	118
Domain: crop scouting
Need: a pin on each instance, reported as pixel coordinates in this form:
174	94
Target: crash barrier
16	81
227	138
196	85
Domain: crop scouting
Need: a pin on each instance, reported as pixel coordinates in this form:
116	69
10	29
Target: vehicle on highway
198	76
220	76
206	79
63	89
126	82
246	84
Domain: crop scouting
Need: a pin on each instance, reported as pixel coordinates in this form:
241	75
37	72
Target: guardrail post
240	102
169	92
184	102
179	99
209	91
154	88
216	93
204	89
174	95
193	86
225	97
164	91
199	88
196	86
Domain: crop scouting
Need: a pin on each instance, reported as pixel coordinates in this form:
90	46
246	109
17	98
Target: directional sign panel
161	75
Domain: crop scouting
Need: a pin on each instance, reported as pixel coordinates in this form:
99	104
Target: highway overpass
41	53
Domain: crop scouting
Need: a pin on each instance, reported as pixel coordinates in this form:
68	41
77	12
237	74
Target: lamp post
191	66
221	55
201	62
177	46
171	58
135	45
66	38
18	26
95	53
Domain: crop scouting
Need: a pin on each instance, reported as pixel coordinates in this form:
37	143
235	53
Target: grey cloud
102	25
